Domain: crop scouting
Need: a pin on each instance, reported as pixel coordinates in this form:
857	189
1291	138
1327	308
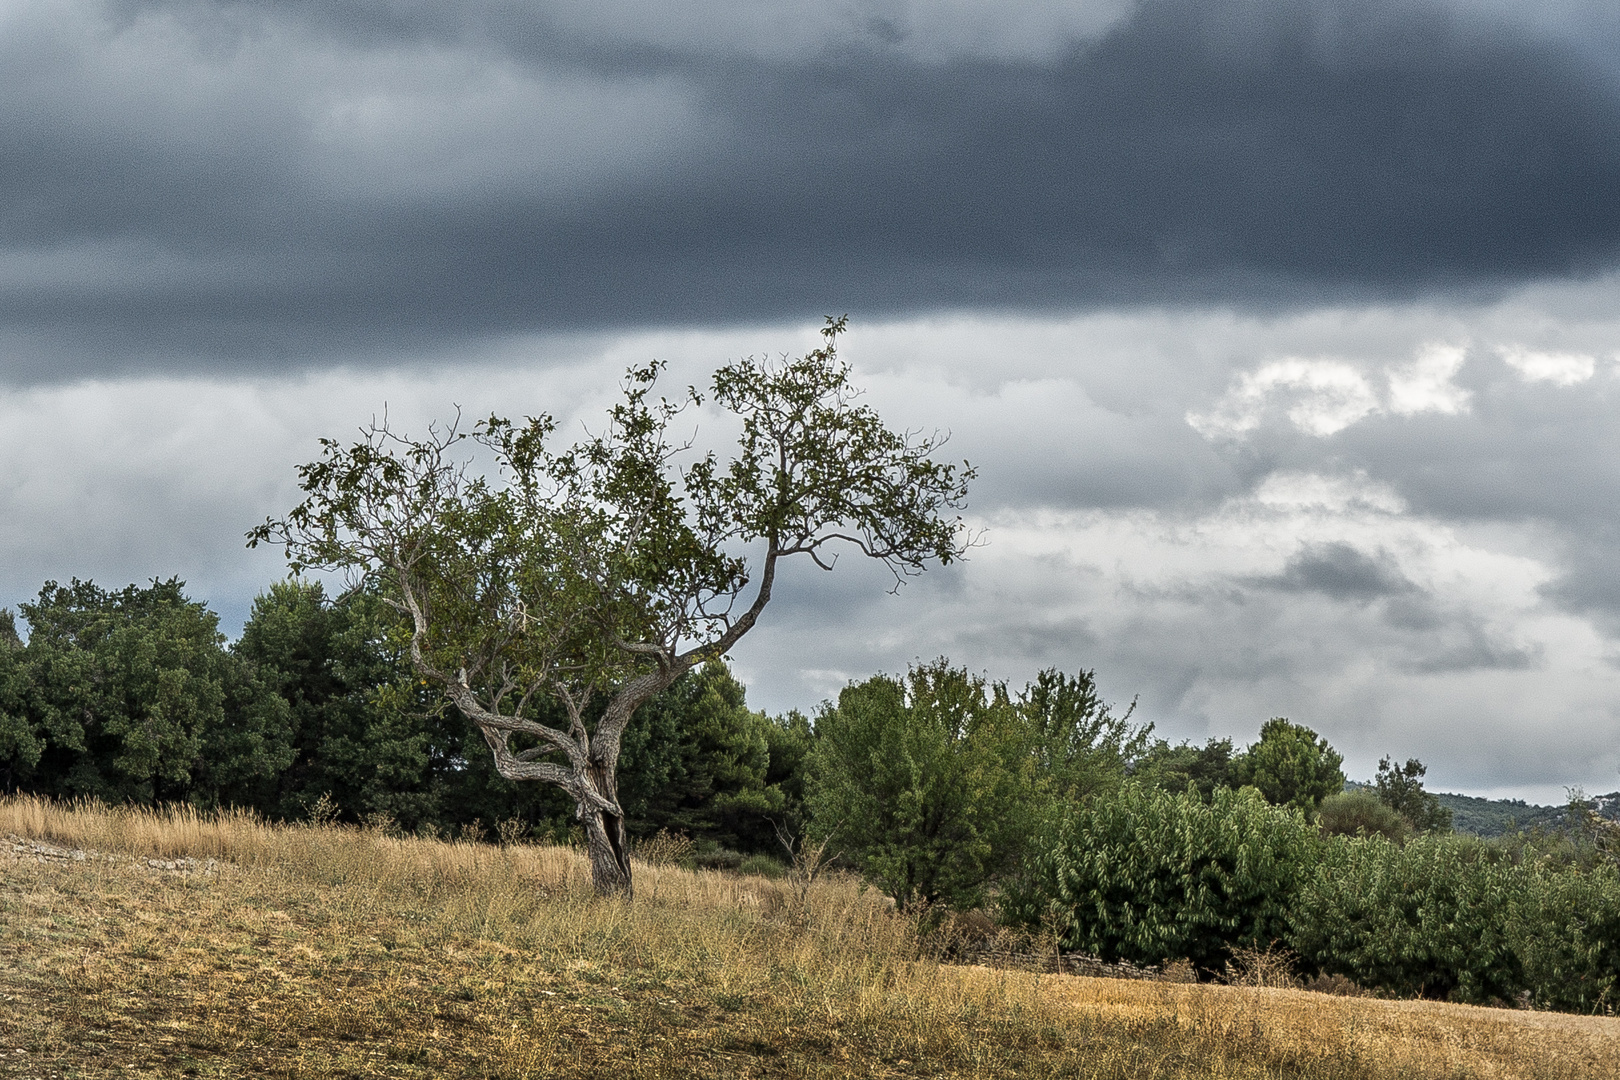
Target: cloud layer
190	184
1430	578
1282	330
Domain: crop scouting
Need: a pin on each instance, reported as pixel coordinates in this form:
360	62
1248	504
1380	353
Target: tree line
937	777
134	695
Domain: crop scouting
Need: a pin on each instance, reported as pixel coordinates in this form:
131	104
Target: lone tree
552	595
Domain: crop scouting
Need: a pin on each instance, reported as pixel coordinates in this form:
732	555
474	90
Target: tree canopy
129	696
1291	765
1400	787
544	579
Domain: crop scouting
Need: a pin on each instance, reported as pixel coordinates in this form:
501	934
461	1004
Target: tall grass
320	951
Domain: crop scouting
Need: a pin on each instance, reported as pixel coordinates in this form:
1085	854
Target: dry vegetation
324	952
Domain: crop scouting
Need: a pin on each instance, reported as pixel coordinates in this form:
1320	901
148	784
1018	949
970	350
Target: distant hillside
1493	817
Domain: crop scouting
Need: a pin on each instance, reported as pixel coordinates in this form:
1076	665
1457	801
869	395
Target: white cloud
1300	491
1558	368
1425	385
1323	397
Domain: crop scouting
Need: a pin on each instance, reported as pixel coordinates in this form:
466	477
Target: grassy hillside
310	952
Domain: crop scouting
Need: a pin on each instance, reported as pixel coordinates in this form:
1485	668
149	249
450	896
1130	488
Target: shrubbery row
1147	876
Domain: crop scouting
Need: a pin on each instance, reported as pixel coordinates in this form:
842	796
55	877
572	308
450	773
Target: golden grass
312	952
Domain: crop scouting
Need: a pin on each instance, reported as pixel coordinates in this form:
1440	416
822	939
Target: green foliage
1400	787
1173	768
366	732
1361	813
696	760
20	743
1146	875
1422	919
129	696
1564	928
1291	766
923	782
1080	748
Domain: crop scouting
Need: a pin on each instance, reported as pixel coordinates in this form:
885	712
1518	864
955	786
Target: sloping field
307	952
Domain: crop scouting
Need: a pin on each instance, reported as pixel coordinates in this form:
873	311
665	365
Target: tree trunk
606	839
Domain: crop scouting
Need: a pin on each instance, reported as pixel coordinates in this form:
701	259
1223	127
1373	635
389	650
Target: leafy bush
1424	919
922	781
1565	930
1361	813
1146	876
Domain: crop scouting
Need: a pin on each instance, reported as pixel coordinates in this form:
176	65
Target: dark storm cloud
208	204
1338	570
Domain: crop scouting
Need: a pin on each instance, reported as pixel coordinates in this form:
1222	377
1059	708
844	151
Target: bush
717	858
763	865
1361	813
1147	876
924	783
1427	919
1565	930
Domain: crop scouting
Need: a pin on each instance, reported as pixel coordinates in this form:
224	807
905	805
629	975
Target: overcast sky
1286	333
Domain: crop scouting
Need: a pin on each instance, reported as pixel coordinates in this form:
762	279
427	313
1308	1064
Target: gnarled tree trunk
605	837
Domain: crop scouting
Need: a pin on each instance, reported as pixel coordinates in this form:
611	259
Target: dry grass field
321	952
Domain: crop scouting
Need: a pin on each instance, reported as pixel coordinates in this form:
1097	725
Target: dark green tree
361	733
367	733
20	743
556	581
1173	768
1291	766
924	783
133	698
697	760
1400	787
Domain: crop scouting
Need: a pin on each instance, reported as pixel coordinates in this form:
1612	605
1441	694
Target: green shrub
1425	919
1565	929
763	865
924	783
717	858
1361	813
1145	875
